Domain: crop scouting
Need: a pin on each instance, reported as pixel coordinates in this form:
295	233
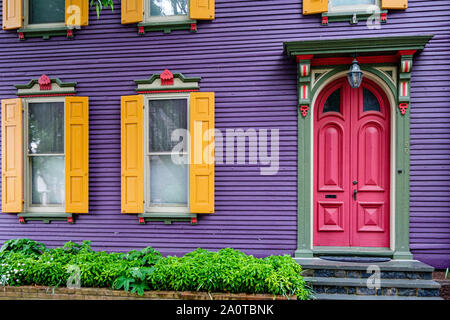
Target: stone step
389	266
388	287
325	296
384	283
394	269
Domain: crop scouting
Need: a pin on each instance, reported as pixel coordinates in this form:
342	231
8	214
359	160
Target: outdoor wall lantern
355	75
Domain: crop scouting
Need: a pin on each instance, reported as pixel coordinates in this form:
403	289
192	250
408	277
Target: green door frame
399	87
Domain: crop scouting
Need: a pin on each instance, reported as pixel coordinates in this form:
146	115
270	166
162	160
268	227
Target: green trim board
45	33
177	81
167	27
350	16
57	87
45	217
356	45
166	217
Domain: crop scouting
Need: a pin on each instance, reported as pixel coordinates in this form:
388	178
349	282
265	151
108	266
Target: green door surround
399	87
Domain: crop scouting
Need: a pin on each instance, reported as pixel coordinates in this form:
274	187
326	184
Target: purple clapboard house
330	121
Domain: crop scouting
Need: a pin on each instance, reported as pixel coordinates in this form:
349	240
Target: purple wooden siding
240	57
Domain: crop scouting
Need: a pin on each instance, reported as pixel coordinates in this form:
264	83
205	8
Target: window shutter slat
12	173
202	9
315	6
202	152
12	14
77	154
77	13
132	154
394	4
132	11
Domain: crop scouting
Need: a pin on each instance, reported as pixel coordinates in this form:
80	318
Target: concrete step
361	297
361	282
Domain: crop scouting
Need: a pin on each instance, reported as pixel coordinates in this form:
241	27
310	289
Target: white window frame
168	208
27	180
27	25
148	18
353	8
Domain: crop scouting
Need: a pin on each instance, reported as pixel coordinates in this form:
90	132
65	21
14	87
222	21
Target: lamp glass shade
355	75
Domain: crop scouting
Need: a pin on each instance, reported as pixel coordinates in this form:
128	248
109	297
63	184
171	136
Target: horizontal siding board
240	57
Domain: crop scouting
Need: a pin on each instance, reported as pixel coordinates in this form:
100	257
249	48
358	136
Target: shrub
26	262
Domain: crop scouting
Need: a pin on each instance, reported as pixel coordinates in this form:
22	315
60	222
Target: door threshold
353	251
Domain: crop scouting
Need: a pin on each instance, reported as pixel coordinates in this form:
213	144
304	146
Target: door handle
354	194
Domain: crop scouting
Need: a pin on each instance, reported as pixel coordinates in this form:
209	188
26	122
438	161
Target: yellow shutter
202	152
77	13
394	4
132	154
12	174
12	14
202	9
77	154
315	6
132	11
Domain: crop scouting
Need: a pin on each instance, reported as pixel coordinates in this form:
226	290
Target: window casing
173	196
44	168
33	18
352	5
166	10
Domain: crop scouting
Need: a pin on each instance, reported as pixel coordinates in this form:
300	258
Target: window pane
46	127
168	181
165	116
333	102
46	11
336	3
159	8
370	102
47	180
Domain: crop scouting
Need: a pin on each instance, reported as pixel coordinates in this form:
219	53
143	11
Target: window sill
45	217
167	27
353	17
167	217
45	33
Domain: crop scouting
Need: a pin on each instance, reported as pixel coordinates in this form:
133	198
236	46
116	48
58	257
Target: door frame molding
389	61
399	197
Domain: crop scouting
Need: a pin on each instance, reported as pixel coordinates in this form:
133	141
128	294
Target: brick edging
60	293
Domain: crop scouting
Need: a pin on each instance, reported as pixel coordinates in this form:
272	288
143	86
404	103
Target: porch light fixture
355	75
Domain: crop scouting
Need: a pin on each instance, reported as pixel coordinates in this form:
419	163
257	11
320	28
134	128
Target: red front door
351	166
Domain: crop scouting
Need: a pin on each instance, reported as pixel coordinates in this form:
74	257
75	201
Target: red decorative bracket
166	78
383	17
21	220
70	219
324	21
193	220
304	110
21	36
69	33
141	30
193	27
403	107
141	220
45	83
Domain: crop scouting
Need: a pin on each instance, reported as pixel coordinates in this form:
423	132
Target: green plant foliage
26	262
25	246
99	4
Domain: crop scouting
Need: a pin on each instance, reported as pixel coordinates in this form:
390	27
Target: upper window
166	15
164	9
351	5
44	11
